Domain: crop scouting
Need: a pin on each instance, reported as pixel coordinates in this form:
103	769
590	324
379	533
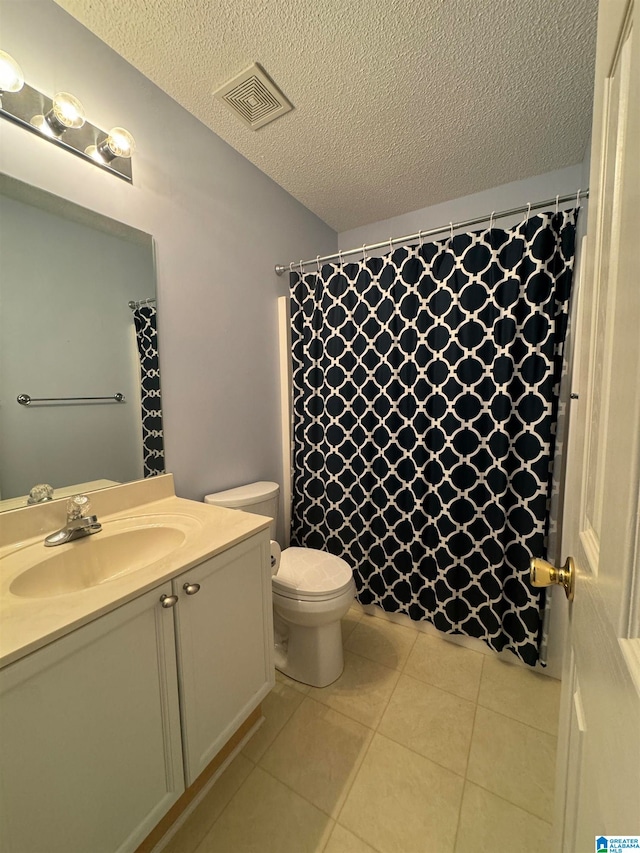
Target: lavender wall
220	226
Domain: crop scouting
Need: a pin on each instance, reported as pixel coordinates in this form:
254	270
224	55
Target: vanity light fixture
11	76
61	120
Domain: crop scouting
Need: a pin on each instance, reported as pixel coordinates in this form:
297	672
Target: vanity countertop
28	623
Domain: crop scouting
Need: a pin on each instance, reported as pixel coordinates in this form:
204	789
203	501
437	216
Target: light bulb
120	142
66	113
67	110
11	76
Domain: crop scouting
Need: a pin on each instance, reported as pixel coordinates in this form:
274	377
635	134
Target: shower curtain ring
318	263
557	198
390	247
451	235
341	261
420	238
491	220
364	253
301	268
291	267
526	220
578	197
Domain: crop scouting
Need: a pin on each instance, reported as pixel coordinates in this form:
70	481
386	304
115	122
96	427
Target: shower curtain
425	396
144	317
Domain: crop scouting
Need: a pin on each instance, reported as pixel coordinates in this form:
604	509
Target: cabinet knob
191	588
168	600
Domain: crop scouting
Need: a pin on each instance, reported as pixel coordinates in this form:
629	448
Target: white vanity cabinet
102	729
224	634
90	756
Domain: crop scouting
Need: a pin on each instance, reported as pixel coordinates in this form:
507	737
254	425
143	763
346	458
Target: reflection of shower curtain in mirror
152	438
425	395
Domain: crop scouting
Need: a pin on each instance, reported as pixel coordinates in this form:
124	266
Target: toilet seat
311	575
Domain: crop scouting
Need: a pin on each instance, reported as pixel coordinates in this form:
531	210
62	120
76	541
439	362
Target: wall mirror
66	331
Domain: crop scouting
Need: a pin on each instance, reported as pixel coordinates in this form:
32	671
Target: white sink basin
118	549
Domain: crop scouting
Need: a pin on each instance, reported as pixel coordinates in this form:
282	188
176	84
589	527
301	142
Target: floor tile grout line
466	767
359	837
520	723
473	782
298	794
508	802
516	719
473	726
413	644
371	660
322	705
422	755
371	733
401	673
402	670
374	660
226	806
424	681
440	688
353	781
200	805
464	789
273	739
375	731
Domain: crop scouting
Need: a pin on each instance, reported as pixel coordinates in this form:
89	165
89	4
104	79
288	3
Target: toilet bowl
312	590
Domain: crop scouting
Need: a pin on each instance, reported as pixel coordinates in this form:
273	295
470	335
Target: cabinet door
225	647
90	735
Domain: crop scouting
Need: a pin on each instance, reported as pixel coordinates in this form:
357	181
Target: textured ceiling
398	105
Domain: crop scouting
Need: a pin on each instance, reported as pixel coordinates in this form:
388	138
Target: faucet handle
40	493
77	507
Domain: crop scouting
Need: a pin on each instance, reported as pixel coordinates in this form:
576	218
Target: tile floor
420	746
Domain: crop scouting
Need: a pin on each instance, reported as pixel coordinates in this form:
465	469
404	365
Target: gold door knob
544	574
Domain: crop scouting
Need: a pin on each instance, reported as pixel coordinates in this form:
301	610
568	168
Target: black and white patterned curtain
144	318
425	388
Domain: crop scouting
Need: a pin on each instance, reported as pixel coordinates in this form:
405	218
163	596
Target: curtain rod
141	302
279	269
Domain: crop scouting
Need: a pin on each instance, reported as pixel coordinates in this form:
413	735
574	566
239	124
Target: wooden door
598	782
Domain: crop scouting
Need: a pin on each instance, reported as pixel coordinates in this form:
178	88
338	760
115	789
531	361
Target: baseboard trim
162	833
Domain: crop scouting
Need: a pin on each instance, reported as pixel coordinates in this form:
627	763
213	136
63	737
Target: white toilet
312	590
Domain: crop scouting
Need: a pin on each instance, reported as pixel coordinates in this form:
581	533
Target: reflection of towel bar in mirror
25	399
140	303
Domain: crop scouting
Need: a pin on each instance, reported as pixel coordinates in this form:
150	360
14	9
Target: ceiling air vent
254	98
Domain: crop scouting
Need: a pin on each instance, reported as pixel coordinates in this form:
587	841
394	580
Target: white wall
66	330
220	226
505	197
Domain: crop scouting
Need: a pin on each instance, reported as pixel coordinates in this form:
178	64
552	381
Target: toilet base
310	655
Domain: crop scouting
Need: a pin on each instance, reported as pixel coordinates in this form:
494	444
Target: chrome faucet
78	523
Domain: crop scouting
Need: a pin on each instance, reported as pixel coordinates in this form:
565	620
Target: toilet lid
309	573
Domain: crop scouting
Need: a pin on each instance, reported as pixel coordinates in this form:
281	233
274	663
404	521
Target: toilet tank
260	498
